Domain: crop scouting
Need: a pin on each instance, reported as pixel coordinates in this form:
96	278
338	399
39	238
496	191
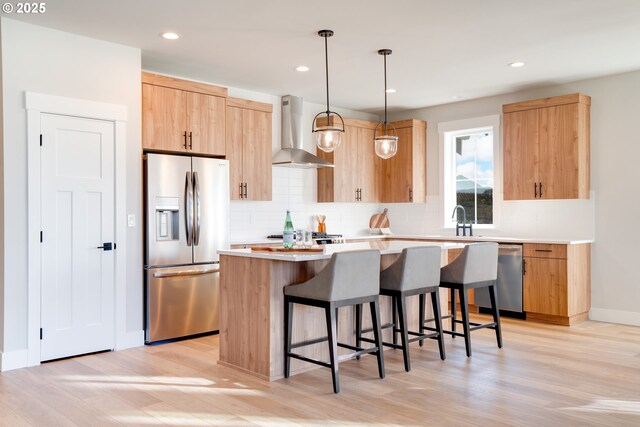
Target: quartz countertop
385	248
451	238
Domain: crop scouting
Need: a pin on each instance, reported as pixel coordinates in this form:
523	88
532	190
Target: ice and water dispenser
167	218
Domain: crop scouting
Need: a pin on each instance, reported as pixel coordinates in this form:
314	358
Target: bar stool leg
394	321
465	320
288	320
421	317
493	294
330	312
453	311
358	316
377	332
402	319
435	302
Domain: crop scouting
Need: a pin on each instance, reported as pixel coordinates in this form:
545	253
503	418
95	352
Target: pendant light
385	136
329	133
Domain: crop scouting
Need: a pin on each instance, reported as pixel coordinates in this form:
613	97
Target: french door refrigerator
187	222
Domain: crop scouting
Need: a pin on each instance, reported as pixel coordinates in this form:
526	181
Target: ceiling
441	49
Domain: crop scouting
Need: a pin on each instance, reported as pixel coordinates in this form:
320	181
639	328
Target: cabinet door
545	286
206	123
559	152
163	118
233	148
345	159
521	155
256	156
397	172
367	168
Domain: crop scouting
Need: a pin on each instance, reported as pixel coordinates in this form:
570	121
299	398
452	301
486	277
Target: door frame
36	104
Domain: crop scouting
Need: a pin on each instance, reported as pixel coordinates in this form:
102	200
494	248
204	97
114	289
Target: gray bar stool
475	267
349	278
415	272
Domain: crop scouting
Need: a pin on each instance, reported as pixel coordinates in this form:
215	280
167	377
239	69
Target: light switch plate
131	220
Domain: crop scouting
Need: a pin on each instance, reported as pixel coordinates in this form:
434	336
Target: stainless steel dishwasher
509	281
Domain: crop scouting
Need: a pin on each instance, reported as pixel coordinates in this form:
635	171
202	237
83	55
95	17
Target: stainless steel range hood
292	153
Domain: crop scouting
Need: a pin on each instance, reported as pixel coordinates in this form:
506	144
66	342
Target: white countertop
385	248
452	238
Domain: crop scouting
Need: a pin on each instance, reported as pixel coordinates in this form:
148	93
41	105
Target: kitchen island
252	305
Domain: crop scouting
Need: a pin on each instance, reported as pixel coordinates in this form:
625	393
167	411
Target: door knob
107	246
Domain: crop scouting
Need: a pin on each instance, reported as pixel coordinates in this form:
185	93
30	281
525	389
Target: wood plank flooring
545	375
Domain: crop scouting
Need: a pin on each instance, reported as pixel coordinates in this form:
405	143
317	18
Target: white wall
47	61
1	200
609	217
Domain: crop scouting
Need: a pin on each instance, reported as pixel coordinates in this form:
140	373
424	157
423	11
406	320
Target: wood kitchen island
252	304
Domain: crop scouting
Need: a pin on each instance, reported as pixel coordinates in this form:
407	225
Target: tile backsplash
295	189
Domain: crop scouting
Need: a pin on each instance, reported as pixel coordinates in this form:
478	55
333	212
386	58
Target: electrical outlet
131	220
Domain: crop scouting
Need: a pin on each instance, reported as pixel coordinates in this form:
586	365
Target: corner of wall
1	199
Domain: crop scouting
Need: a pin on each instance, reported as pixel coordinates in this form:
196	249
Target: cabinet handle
543	250
185	139
245	190
190	140
524	267
535	190
411	195
541	190
360	194
241	195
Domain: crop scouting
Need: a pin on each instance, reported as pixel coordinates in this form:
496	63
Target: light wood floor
545	375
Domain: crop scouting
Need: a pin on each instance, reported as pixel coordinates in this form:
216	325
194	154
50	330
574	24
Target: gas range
319	238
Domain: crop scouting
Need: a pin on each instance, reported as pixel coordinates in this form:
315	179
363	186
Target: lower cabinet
557	282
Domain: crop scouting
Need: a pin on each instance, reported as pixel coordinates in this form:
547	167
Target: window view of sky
474	175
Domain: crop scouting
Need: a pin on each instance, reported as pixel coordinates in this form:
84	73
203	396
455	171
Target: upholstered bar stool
415	272
475	267
349	278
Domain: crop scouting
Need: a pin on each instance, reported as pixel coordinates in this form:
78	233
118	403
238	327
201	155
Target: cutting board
263	249
379	220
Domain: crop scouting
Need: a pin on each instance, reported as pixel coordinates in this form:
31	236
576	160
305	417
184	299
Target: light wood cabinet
182	116
557	284
355	175
403	176
546	148
248	149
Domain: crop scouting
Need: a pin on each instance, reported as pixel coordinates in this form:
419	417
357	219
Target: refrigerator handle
196	226
188	202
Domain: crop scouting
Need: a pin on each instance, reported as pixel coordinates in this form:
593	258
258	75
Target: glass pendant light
328	132
385	135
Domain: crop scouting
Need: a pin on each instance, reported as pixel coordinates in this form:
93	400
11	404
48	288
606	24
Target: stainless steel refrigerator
187	222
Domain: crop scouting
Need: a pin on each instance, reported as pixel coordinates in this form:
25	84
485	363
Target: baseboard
615	316
130	340
16	359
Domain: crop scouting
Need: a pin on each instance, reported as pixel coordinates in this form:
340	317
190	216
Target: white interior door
77	173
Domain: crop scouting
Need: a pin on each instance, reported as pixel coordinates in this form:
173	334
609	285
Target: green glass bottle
288	233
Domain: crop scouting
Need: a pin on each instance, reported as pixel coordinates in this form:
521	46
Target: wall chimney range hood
292	153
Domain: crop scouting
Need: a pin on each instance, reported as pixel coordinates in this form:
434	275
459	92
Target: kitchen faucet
464	226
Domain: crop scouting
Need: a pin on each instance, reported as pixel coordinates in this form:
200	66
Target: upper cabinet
403	177
355	175
248	149
182	116
546	148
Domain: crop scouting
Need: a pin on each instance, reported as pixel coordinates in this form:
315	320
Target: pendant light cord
385	91
326	63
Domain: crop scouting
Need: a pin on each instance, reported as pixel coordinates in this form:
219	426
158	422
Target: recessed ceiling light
391	90
456	97
516	64
170	36
302	68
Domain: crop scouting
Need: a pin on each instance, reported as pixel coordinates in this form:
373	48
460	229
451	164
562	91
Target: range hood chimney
292	153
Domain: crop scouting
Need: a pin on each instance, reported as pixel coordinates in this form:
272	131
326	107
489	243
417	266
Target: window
469	157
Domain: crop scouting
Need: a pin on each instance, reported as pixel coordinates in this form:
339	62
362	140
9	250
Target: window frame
447	131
